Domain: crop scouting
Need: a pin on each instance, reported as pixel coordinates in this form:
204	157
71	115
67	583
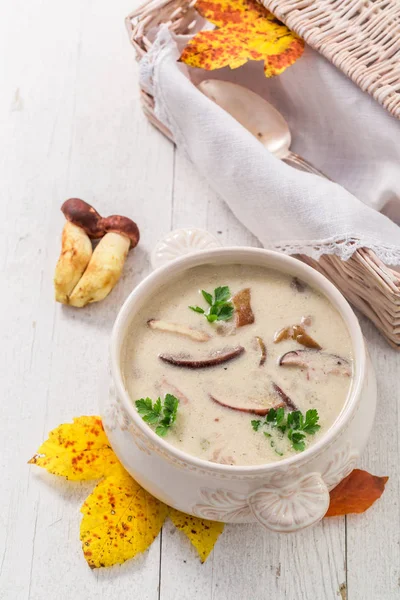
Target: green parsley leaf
295	419
152	418
222	293
312	429
215	309
162	430
295	426
280	416
150	413
220	309
297	439
211	318
310	426
297	436
144	405
159	414
299	446
170	410
225	313
207	297
197	309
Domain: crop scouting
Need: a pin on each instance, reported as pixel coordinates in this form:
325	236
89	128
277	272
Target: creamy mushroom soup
250	366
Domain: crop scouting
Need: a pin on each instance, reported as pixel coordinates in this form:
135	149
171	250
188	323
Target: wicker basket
367	283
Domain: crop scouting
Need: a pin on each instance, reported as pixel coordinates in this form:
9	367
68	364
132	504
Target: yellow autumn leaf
78	451
245	31
120	520
202	533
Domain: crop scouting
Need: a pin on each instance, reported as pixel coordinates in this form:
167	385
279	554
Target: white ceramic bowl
284	496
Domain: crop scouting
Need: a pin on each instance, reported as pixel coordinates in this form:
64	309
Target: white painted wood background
71	125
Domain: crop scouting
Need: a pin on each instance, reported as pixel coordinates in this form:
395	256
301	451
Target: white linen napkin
334	125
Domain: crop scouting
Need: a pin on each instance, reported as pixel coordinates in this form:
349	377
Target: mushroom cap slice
241	302
166	387
315	359
302	337
286	333
286	401
103	270
298	334
298	285
217	358
254	409
263	350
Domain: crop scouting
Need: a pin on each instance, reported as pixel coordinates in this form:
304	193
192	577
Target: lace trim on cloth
343	246
361	38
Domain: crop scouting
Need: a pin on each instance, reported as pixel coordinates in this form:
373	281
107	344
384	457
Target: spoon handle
303	165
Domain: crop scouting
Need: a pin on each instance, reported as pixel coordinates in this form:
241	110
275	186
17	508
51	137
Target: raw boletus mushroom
76	251
83	276
105	266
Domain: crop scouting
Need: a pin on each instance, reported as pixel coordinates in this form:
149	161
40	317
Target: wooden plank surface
71	125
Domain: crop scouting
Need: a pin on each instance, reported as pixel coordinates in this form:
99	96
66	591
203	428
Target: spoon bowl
256	115
259	117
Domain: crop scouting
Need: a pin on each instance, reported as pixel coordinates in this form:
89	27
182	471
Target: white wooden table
71	125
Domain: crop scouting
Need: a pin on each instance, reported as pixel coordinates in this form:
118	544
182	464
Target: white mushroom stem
194	334
76	251
103	271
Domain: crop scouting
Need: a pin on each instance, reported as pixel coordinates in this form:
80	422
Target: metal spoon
259	117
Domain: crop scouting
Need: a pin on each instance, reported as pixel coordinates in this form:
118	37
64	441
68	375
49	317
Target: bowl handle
292	506
179	242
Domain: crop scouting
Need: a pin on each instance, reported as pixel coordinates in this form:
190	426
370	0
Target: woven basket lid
360	37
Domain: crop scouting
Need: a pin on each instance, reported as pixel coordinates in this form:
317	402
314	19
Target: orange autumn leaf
202	533
245	31
78	451
356	493
120	520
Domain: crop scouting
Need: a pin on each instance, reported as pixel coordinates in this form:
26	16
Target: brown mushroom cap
83	215
123	226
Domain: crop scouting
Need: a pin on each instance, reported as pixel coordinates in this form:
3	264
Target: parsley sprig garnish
160	414
295	425
221	309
